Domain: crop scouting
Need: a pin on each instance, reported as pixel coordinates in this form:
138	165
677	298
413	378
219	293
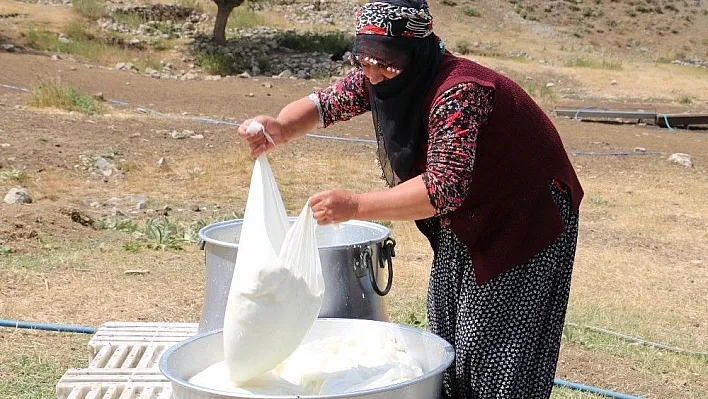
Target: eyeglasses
361	62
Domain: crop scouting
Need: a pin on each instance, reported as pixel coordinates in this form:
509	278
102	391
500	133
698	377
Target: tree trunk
222	17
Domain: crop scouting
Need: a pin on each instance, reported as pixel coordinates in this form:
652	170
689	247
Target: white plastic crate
113	384
114	341
123	362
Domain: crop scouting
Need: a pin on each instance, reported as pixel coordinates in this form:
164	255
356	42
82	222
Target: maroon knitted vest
509	214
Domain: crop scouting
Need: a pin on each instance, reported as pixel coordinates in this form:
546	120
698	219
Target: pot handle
387	252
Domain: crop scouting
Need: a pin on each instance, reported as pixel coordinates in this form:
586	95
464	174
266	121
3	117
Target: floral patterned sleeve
343	100
455	118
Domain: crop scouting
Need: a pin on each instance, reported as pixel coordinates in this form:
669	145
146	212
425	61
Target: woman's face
377	73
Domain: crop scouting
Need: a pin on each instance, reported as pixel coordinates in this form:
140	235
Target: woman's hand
257	140
334	206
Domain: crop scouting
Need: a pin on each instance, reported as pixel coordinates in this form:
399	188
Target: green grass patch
471	12
15	175
91	9
463	47
539	91
336	43
32	378
131	20
146	63
599	200
51	93
264	63
79	41
243	17
580	62
215	63
45	260
409	311
162	44
685	99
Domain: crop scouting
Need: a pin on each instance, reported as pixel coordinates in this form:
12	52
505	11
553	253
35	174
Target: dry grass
34	361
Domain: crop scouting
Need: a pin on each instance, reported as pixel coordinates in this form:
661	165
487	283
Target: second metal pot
356	262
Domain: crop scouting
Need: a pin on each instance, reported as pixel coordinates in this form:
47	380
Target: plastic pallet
120	344
123	362
113	384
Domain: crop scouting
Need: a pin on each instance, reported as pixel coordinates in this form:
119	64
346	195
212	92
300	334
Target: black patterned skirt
507	332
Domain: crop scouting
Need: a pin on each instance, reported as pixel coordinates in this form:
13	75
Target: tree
224	8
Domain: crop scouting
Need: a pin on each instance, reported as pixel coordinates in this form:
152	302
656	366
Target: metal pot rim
383	230
449	357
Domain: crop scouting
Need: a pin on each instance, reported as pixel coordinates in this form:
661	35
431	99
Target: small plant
131	246
216	63
471	12
643	8
162	44
128	167
599	200
91	9
124	225
4	251
463	47
417	320
264	63
449	3
541	92
51	93
164	234
111	152
41	40
685	99
14	175
78	31
151	63
165	29
193	173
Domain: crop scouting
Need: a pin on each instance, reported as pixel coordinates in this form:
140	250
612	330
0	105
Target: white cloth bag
277	287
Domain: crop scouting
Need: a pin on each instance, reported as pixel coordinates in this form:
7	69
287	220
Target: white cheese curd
334	365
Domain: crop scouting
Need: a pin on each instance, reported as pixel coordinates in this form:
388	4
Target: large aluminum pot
182	361
356	263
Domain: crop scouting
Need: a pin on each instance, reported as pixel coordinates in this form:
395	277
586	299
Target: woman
478	165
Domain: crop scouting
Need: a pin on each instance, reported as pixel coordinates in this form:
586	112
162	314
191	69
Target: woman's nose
372	73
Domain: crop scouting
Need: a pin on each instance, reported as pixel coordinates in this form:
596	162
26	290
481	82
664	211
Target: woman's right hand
258	141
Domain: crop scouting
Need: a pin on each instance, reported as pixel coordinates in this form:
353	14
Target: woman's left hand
334	206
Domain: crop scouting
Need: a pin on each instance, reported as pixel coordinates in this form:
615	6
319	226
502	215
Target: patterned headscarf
399	33
387	19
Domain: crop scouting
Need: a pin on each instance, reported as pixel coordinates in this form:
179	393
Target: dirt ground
642	259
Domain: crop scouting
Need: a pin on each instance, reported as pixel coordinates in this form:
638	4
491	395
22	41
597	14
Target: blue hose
47	326
590	389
